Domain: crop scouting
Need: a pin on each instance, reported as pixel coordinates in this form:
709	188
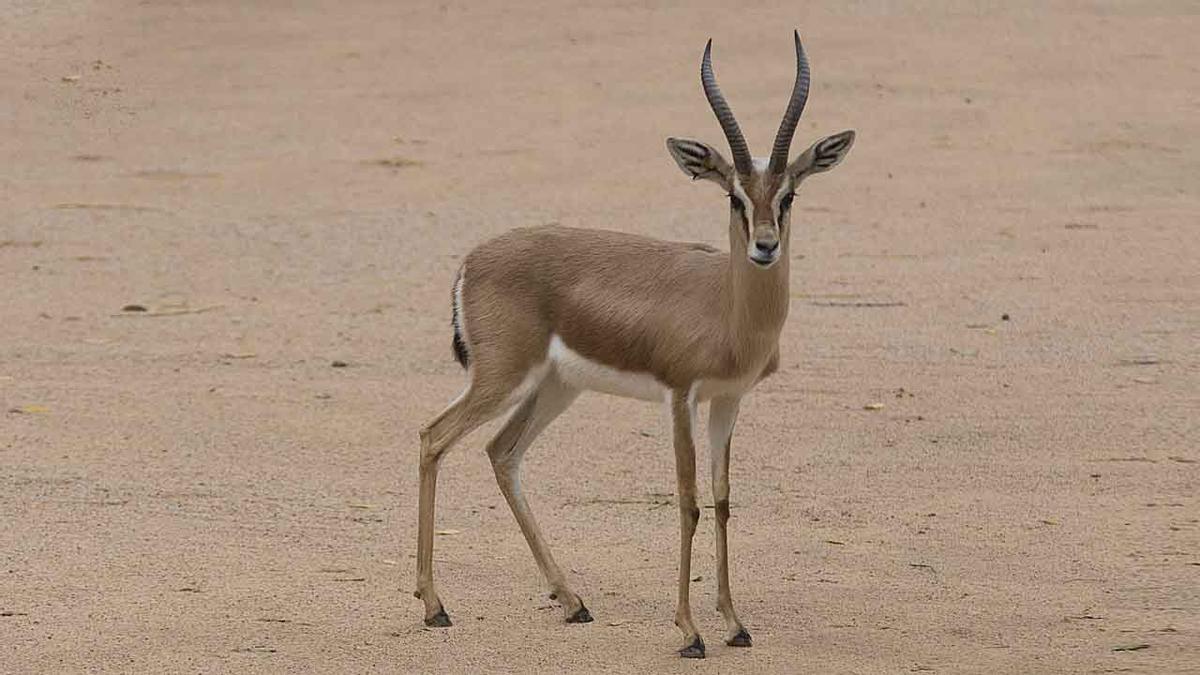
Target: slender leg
506	451
683	409
462	416
722	414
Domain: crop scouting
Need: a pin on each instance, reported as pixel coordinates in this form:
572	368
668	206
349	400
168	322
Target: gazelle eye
786	202
736	203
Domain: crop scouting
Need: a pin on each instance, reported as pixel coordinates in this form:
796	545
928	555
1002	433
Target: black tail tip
460	349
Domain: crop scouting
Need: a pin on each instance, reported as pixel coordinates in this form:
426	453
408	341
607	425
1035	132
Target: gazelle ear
822	156
700	160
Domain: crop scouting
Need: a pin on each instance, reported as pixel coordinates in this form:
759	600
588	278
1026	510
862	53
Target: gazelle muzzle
765	248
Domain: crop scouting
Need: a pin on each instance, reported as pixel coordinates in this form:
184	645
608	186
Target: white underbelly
580	372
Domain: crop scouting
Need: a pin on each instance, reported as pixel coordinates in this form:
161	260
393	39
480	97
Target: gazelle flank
542	314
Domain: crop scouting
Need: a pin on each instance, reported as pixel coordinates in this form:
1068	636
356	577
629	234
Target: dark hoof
694	650
742	639
580	616
439	620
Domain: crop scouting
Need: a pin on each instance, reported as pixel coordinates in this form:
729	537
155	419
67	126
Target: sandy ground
195	488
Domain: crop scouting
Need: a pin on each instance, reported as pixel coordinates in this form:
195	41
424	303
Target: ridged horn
787	128
720	108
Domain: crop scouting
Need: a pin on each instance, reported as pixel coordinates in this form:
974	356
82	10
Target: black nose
767	247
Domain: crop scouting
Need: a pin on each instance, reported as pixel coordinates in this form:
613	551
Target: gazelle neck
759	301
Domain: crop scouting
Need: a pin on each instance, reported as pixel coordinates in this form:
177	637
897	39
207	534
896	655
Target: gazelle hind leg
506	451
482	401
722	414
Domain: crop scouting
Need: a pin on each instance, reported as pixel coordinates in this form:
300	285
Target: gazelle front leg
683	409
722	414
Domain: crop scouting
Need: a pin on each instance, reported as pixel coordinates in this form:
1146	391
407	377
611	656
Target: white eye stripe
747	205
777	202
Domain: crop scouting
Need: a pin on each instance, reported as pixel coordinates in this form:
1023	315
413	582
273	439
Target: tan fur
701	323
672	310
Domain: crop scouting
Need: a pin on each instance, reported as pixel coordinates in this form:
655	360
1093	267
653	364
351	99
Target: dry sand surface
196	489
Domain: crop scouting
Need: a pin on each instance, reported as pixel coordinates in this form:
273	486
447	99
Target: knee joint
504	467
426	435
722	509
430	456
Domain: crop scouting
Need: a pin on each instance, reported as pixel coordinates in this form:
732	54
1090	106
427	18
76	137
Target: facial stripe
747	206
778	200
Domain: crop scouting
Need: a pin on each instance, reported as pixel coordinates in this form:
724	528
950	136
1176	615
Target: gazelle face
760	203
758	215
760	190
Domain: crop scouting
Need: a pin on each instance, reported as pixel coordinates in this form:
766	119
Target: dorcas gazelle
541	314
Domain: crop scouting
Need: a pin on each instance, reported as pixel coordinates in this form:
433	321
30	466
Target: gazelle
540	314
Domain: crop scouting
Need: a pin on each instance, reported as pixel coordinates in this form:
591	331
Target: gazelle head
760	191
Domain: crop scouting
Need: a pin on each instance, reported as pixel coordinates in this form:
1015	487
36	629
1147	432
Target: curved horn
787	128
733	133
